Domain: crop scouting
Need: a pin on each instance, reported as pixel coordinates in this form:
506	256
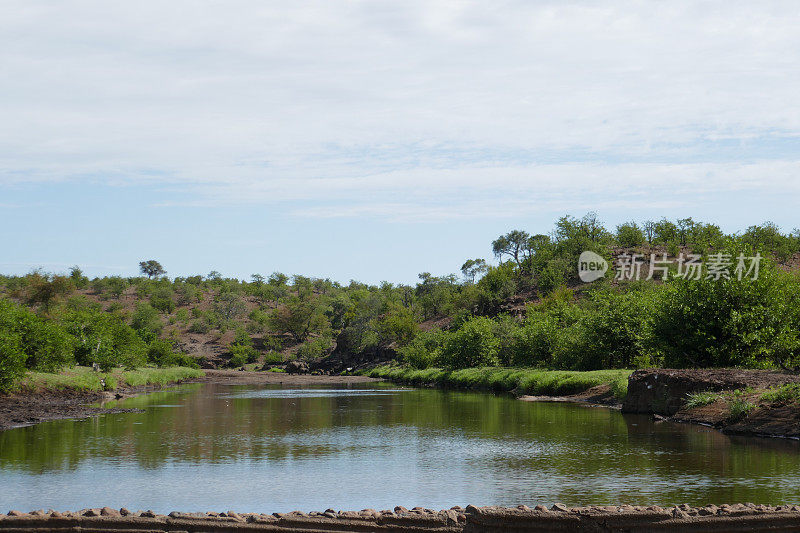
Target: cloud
419	109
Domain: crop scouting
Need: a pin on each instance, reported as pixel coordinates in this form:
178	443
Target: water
267	449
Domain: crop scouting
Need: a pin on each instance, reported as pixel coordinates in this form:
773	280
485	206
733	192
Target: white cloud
428	105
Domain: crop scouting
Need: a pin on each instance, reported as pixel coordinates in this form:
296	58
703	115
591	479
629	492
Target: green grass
159	376
699	399
85	379
738	406
786	394
518	380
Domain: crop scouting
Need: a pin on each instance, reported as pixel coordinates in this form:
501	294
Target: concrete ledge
738	517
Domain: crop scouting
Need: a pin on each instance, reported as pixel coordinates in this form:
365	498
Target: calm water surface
267	449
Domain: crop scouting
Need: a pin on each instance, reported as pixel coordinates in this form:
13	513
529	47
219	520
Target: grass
786	394
518	380
699	399
739	405
85	379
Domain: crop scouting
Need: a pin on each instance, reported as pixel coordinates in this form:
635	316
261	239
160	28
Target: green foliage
28	341
699	399
738	406
729	322
398	325
104	339
162	353
300	316
423	350
151	268
147	322
242	354
629	234
314	347
474	344
786	394
162	300
518	380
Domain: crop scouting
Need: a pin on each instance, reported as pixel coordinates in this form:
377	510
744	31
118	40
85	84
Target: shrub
474	344
423	350
314	347
241	355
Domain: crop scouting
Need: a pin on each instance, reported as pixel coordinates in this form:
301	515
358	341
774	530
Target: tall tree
151	268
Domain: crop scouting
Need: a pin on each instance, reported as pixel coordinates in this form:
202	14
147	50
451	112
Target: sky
374	140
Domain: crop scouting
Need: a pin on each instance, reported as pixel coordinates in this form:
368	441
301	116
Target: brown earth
31	407
711	518
664	392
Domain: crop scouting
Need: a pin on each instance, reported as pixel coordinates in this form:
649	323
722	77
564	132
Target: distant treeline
530	309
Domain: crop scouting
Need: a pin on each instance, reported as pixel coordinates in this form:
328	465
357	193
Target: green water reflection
203	447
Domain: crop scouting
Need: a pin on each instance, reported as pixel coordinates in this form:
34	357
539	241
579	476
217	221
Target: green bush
474	344
423	350
242	354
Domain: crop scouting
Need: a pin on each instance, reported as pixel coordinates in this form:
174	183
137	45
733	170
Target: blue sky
376	140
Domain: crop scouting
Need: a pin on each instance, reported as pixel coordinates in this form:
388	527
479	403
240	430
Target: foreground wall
739	517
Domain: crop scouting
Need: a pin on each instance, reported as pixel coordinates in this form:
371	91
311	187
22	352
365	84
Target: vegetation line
518	380
84	379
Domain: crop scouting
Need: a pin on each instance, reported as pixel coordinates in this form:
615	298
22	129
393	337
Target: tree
229	305
43	289
649	228
151	268
629	234
472	268
511	244
300	317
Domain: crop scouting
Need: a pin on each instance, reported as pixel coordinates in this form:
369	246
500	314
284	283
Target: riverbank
763	403
607	387
75	393
711	518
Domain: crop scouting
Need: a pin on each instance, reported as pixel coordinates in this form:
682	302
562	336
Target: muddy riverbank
711	518
26	408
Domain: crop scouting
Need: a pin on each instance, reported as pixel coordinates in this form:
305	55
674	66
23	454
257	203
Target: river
273	449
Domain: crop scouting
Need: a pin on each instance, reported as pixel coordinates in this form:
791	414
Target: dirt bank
28	407
712	518
665	392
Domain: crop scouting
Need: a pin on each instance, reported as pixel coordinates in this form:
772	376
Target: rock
235	515
452	516
39	512
559	507
124	512
400	509
91	512
329	514
541	508
108	511
15	513
679	513
148	514
56	514
297	367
